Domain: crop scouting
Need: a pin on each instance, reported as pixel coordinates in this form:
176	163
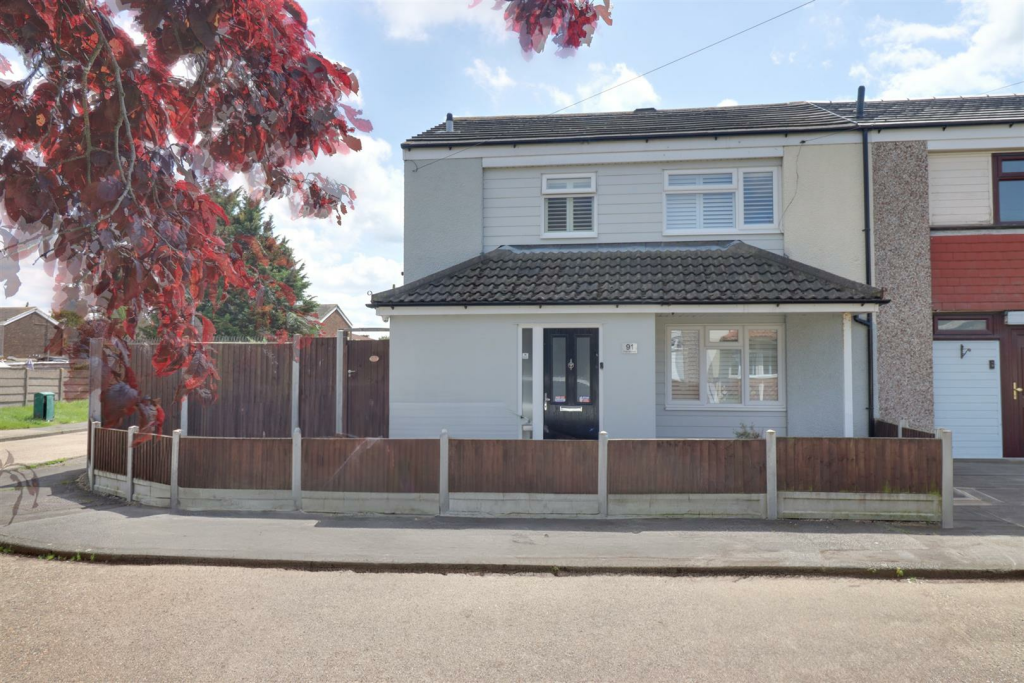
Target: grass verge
65	412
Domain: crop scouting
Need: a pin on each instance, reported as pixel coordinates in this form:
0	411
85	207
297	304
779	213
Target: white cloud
980	51
728	102
414	19
494	79
364	252
782	57
629	91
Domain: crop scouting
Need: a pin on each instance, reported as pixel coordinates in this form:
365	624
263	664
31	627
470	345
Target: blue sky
418	59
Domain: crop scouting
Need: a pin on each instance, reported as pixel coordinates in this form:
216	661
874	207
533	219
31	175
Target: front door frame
537	355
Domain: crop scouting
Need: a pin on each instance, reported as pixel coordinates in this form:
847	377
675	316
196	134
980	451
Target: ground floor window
725	366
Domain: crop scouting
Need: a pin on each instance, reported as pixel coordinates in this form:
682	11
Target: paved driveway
990	495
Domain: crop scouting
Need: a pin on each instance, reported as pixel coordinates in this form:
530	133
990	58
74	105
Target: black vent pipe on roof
449	123
860	102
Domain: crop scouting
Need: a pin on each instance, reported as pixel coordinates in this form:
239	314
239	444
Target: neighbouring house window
1008	180
958	326
725	366
570	204
720	200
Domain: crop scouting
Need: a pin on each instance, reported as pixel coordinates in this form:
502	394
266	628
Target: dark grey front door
571	383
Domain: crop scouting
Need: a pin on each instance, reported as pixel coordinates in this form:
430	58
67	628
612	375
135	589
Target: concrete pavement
68	520
96	622
46	448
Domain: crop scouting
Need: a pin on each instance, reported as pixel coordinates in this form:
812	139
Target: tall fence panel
18	385
151	460
160	388
216	463
254	393
700	466
502	466
879	465
111	453
318	360
370	465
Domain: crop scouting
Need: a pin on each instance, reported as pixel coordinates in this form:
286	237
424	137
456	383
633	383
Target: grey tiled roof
641	273
786	117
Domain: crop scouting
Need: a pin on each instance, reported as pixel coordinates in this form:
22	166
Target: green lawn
20	417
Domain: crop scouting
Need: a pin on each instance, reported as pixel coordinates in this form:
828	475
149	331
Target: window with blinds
737	366
719	200
572	210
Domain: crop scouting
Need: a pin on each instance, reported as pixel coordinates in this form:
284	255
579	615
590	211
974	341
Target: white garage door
967	397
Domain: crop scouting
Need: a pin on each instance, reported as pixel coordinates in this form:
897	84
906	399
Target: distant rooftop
787	117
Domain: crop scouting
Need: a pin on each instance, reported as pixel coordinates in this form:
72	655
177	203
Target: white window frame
735	187
774	225
545	193
744	344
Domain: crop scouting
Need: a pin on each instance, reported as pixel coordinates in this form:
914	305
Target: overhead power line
644	74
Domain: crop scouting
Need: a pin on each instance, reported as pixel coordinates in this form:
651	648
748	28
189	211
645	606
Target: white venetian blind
582	213
684	358
758	198
557	214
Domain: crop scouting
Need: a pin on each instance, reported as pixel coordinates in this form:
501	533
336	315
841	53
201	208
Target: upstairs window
721	200
1008	181
570	205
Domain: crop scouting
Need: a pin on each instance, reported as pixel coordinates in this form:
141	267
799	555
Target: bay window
725	366
720	200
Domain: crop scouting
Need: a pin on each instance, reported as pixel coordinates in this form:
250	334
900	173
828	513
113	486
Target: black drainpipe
869	322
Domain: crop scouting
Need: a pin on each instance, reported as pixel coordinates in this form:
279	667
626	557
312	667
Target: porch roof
677	273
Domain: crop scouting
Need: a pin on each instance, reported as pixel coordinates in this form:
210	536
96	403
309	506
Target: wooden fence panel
111	451
162	389
318	358
254	393
19	385
878	465
215	463
514	466
651	466
371	465
151	460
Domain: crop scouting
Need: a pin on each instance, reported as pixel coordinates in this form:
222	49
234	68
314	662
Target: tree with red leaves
107	142
569	24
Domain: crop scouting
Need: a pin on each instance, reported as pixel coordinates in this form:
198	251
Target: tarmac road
84	621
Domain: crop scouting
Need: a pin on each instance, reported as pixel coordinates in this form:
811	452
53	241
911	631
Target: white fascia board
955	137
708	147
638	157
386	311
27	313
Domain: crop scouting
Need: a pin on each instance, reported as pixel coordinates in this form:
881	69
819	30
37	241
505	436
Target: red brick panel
977	272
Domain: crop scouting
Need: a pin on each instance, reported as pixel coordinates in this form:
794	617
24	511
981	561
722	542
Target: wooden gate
366	391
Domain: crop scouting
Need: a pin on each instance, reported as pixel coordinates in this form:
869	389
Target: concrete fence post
947	478
175	445
25	390
900	427
295	381
771	471
60	384
443	480
130	466
95	379
91	464
183	419
602	474
297	467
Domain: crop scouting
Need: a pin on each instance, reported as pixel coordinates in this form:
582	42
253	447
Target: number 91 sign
629	347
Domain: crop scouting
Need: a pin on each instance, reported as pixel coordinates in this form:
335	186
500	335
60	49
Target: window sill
733	233
729	408
568	235
978	226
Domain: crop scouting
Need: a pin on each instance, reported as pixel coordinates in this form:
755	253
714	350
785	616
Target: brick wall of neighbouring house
27	337
977	272
333	323
902	236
